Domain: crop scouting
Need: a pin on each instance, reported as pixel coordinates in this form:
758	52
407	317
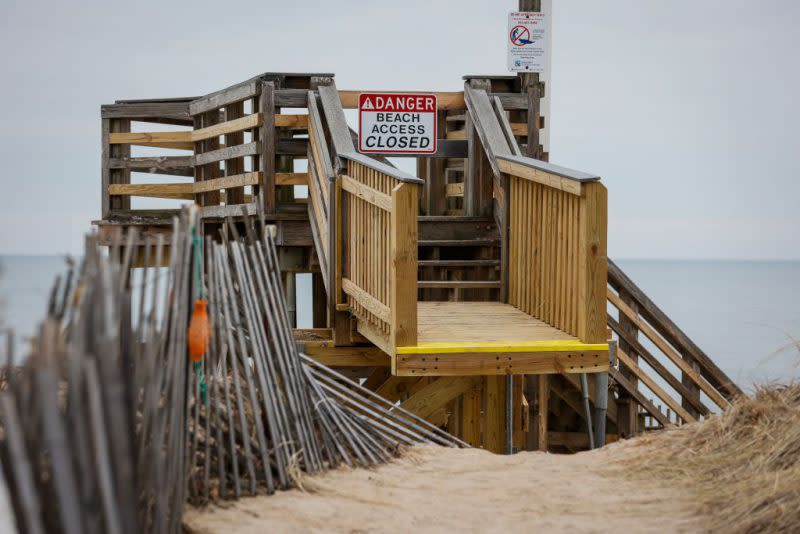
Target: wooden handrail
376	165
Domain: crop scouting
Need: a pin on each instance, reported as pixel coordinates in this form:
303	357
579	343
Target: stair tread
458	263
458	242
462	284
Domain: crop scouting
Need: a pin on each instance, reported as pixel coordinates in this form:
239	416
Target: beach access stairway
514	280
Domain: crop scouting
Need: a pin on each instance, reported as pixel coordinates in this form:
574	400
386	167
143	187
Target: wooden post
532	87
435	202
495	420
592	263
319	308
543	401
471	416
114	176
403	267
266	160
627	417
478	177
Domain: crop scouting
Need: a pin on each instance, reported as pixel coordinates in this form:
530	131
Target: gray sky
687	109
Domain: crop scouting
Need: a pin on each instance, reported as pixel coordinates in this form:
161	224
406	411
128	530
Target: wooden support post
435	198
532	87
114	176
234	195
543	401
403	266
519	423
471	416
627	418
495	418
290	290
592	263
266	160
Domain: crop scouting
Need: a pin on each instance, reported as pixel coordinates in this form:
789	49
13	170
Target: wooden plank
356	356
509	130
654	387
164	112
444	99
396	388
372	304
170	165
674	335
291	121
241	124
228	152
236	93
662	345
494	418
435	395
486	125
317	141
177	191
458	284
235	165
166	139
592	263
366	193
225	182
403	265
499	363
291	178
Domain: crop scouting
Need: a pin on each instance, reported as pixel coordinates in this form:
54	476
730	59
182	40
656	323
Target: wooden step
458	284
458	263
459	242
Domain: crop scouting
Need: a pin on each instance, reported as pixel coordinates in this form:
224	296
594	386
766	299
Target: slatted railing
378	228
556	268
659	363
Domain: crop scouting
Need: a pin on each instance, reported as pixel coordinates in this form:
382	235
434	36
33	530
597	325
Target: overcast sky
687	109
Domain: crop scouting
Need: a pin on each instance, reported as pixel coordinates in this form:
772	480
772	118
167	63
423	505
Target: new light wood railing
377	229
556	268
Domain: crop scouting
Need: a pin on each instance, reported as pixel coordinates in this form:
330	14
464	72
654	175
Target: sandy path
444	490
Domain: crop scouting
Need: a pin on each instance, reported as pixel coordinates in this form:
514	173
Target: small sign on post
527	41
397	123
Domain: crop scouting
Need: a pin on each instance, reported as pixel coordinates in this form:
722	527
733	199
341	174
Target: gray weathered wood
505	126
551	168
247	149
170	165
165	112
334	116
486	125
268	145
229	95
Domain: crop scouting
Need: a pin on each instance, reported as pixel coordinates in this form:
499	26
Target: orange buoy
199	331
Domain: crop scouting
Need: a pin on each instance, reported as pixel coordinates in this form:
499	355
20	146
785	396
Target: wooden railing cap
382	167
550	168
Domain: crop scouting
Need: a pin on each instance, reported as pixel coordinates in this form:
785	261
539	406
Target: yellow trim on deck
555	345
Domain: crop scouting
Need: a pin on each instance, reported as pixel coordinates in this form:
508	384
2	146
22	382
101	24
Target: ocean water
744	314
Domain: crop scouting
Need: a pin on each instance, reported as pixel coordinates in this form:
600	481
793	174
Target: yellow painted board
555	345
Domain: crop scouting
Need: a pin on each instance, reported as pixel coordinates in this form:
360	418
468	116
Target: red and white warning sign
397	123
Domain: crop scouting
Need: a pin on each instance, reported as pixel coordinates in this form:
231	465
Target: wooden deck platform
490	338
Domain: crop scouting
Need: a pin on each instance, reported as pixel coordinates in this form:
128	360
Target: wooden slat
236	125
337	123
237	180
228	152
162	112
291	121
366	193
171	191
462	284
174	140
291	178
487	126
556	182
651	408
494	431
373	305
170	165
471	416
360	356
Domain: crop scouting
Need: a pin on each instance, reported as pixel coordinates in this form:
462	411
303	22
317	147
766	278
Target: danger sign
397	123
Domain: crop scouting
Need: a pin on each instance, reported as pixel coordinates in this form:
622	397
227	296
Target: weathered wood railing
667	348
556	268
378	219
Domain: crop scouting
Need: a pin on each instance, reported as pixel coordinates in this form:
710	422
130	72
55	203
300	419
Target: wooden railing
668	375
556	268
378	229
